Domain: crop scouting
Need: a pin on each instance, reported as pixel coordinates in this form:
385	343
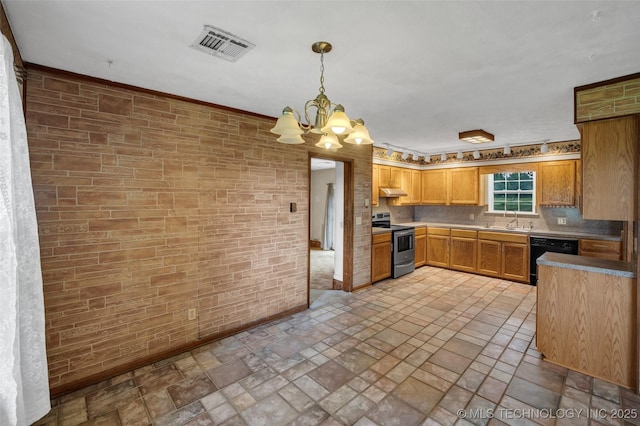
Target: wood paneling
586	321
605	99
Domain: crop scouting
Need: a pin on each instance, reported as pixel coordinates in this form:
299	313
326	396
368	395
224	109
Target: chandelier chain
322	72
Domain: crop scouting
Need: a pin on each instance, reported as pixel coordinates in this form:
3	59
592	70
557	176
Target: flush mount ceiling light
335	124
476	136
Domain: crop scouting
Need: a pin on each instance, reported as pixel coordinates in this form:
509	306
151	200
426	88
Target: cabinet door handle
600	245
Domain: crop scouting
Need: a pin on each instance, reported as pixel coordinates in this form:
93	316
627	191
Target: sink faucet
515	219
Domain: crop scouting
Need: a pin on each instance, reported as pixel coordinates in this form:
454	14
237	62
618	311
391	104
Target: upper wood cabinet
389	177
557	183
463	186
450	186
375	195
609	154
404	184
410	183
434	187
416	187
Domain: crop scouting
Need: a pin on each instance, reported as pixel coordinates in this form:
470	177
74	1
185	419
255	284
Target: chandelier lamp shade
333	125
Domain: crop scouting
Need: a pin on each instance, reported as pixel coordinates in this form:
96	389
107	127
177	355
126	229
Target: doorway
328	224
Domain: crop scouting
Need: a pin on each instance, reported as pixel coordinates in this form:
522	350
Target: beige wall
149	206
319	181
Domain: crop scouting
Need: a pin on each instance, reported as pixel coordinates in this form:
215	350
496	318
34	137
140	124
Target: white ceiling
418	72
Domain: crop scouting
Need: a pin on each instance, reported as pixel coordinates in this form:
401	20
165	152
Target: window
512	191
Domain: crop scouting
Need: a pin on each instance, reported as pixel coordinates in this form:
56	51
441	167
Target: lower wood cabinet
438	246
380	256
602	249
420	246
503	255
489	257
462	256
515	261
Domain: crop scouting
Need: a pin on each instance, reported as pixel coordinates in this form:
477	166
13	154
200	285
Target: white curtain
24	385
327	238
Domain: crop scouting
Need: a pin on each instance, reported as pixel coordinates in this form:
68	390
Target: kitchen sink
505	228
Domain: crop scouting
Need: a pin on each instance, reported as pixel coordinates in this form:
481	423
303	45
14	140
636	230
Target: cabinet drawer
422	230
601	248
438	231
464	233
385	237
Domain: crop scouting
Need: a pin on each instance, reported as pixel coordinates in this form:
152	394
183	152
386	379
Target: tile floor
433	347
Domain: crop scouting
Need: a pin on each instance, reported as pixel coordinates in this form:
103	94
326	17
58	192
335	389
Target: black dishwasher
541	245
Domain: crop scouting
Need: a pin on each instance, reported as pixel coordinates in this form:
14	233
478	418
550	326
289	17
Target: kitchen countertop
590	264
531	232
375	230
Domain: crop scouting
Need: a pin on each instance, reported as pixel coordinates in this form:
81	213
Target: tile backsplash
545	219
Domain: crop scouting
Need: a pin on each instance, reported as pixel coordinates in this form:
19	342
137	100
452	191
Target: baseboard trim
337	284
58	391
363	286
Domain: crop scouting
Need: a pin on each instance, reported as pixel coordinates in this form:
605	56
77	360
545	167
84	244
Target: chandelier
334	126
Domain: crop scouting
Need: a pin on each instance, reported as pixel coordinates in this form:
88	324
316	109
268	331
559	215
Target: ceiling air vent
222	44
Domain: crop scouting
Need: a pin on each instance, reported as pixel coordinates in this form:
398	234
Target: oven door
403	259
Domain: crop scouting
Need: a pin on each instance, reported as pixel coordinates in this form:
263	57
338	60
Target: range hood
392	192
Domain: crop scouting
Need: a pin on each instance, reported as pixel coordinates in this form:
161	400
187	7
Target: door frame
348	226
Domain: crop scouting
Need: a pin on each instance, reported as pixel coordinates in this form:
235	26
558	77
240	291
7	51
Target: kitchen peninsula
586	316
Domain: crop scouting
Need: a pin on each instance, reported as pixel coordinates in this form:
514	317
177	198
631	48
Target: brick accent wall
148	206
613	98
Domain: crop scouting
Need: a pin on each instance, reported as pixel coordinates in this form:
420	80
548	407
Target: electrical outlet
562	221
472	216
192	314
